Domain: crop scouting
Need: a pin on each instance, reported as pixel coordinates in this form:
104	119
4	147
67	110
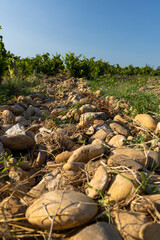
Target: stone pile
73	165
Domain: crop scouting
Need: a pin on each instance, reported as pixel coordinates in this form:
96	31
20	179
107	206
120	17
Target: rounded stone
17	109
118	129
122	187
85	153
150	231
17	141
117	140
146	121
98	231
98	183
129	223
70	209
8	117
87	108
63	157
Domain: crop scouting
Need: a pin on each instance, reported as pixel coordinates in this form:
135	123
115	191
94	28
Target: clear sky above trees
118	31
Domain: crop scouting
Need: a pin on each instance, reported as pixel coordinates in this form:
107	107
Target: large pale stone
98	231
70	208
146	121
16	129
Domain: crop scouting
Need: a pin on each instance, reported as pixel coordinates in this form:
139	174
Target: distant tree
3	53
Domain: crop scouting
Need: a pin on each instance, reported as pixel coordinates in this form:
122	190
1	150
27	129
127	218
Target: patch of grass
12	87
136	142
102	201
128	89
4	159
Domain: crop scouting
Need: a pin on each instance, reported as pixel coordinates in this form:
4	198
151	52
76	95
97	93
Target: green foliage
2	57
128	88
84	67
13	87
102	201
4	159
106	204
40	64
136	141
77	66
145	178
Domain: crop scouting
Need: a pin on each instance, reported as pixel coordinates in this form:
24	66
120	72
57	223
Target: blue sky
119	31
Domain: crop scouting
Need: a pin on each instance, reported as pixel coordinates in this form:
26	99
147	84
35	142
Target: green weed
128	89
4	160
136	142
102	201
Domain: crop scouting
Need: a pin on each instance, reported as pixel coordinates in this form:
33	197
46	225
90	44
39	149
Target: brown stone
120	120
8	117
16	108
74	166
10	207
63	157
99	182
17	142
150	231
129	223
117	141
101	134
85	153
118	160
34	128
98	231
126	153
118	129
157	131
121	187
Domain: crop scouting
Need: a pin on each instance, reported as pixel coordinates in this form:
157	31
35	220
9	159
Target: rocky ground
75	166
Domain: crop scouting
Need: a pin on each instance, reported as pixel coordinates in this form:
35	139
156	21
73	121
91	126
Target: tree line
76	66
